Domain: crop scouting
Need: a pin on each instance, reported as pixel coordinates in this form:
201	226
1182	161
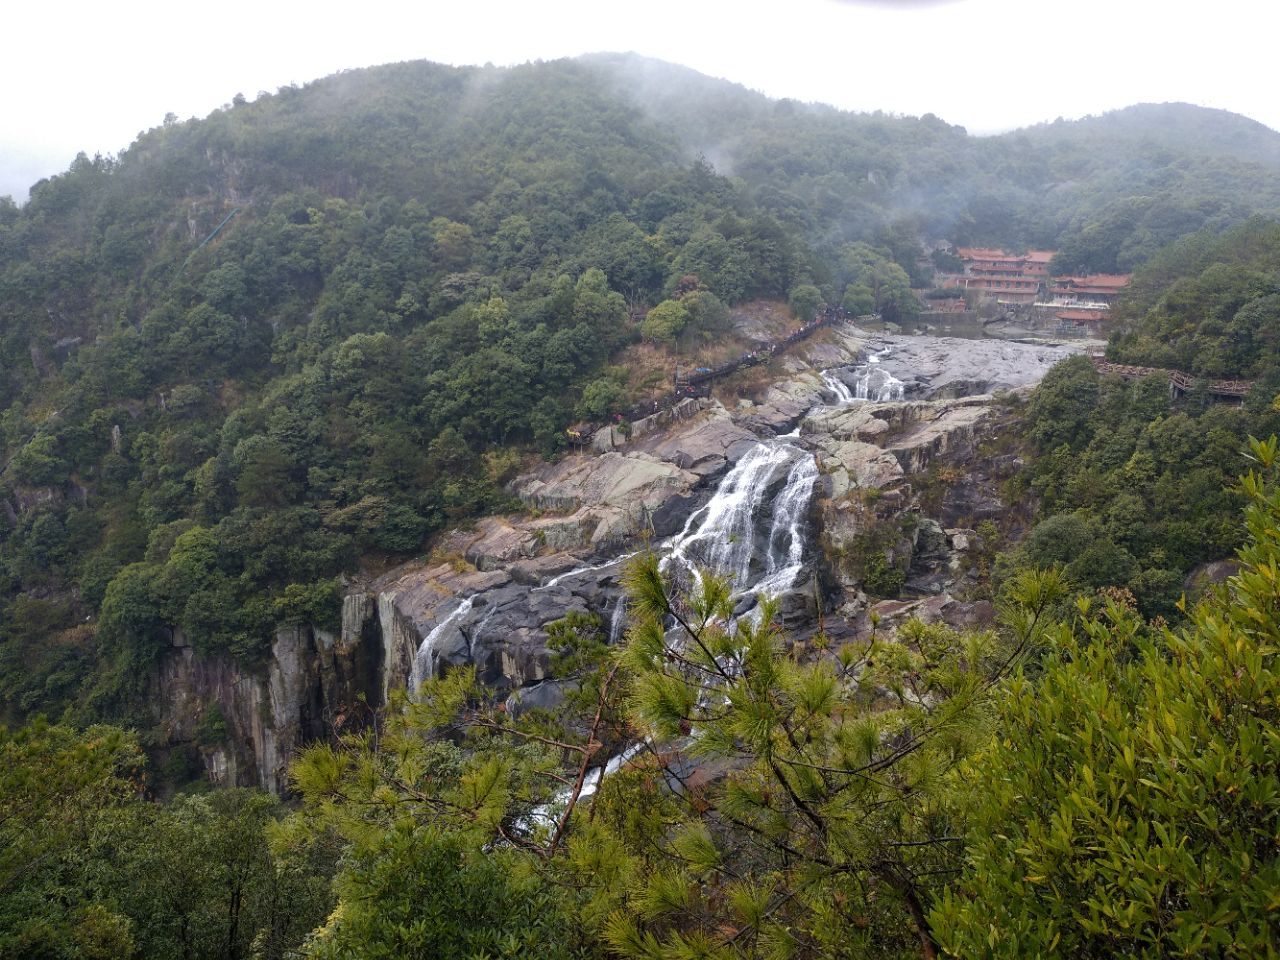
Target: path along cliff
813	488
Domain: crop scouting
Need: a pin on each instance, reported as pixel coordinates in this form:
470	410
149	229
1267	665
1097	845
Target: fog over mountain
990	65
588	509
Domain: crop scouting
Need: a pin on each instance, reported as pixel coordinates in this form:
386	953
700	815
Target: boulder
606	499
704	446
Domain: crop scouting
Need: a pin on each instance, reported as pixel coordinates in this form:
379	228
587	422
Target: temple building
1009	277
1094	288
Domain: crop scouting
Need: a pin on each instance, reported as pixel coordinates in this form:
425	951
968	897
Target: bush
1128	801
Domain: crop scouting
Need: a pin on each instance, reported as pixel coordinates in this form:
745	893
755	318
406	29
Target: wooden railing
697	383
1180	379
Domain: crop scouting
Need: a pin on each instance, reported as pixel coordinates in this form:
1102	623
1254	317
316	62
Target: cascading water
721	535
790	508
618	622
424	661
876	383
727	535
838	387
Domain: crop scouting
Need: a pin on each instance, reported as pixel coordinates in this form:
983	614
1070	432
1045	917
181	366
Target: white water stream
721	536
875	383
872	382
751	530
424	661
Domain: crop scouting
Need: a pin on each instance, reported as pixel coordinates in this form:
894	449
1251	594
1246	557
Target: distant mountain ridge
1174	125
307	332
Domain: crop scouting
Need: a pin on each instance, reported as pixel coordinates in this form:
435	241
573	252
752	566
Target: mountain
305	335
417	445
1172	126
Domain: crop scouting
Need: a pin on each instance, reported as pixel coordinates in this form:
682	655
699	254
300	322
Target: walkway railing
1179	379
698	382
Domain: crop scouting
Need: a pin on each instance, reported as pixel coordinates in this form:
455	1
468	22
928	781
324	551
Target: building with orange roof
1010	277
1083	314
1095	287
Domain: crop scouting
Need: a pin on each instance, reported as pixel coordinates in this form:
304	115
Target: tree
707	314
602	397
1060	407
665	322
89	868
1127	802
57	789
867	271
448	852
805	301
812	810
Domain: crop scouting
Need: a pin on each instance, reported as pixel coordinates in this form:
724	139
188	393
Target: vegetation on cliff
258	351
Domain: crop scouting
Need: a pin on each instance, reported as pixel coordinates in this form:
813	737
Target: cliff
800	487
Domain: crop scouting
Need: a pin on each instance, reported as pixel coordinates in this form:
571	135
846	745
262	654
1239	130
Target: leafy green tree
1127	802
89	868
1061	405
707	313
602	397
417	891
38	463
805	301
665	322
870	271
57	789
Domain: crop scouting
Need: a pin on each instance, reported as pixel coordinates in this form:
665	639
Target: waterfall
876	383
424	661
723	539
725	535
618	621
838	387
871	382
790	510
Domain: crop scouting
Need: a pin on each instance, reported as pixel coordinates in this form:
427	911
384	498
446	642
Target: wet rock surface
949	367
822	487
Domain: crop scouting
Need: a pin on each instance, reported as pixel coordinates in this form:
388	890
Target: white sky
90	76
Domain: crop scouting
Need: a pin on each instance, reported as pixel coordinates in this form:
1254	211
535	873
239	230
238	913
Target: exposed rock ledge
512	575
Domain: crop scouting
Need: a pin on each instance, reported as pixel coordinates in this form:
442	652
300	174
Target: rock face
949	367
314	685
639	486
601	500
587	512
657	480
879	532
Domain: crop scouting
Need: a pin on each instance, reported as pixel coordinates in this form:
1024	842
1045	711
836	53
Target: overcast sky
90	76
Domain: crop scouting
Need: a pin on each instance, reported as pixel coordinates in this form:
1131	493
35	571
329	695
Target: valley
588	510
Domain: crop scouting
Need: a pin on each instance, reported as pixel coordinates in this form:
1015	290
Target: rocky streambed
794	492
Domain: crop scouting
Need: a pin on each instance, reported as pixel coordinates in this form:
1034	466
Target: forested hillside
297	341
257	347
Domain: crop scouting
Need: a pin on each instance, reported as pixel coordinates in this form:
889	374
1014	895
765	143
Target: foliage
1134	490
810	818
90	868
382	313
301	323
805	301
665	322
874	282
1128	800
1209	305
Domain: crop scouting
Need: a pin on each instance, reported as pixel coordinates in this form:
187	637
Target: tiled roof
1111	280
